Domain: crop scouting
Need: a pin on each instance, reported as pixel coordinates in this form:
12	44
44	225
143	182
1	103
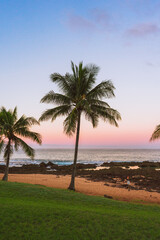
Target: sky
122	37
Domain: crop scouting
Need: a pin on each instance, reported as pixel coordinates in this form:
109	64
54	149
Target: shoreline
143	176
88	187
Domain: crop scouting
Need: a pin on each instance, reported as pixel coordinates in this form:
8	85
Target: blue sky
40	37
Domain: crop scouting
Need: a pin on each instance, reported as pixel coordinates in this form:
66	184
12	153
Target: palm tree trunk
72	183
5	177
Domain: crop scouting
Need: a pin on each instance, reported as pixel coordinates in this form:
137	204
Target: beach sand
87	187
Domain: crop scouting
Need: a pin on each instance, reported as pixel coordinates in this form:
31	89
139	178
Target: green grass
34	212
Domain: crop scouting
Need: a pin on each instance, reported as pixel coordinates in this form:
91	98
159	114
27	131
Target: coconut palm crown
11	131
79	95
156	133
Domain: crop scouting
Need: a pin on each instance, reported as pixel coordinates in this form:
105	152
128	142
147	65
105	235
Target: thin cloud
149	64
101	17
76	22
143	29
96	20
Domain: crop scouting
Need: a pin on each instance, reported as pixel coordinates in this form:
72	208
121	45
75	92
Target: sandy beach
87	187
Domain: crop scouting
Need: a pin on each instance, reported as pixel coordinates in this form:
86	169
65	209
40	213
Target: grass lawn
36	212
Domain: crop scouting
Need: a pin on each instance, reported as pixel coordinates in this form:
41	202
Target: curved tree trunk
72	184
5	177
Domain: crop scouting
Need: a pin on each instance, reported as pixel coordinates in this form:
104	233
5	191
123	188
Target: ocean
65	156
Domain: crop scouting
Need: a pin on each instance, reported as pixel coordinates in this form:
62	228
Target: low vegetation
37	212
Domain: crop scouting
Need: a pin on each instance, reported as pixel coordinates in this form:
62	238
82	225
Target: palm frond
31	121
6	122
74	70
21	123
104	89
53	113
92	72
93	118
14	114
107	114
26	148
72	83
99	102
16	143
156	133
6	116
57	98
61	82
24	121
25	132
70	122
77	70
8	151
1	145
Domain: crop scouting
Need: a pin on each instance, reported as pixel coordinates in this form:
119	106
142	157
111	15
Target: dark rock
143	178
42	165
106	196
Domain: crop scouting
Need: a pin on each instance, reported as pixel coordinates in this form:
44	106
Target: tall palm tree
79	96
11	129
156	133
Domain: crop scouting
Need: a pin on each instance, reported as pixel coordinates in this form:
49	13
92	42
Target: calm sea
65	156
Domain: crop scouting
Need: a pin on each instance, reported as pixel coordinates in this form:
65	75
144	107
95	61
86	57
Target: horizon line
56	146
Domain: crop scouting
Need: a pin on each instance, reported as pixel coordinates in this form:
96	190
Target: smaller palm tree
156	133
11	131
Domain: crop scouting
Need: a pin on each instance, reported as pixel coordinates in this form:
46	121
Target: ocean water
65	156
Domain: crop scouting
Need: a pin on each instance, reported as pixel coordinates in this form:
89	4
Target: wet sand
87	187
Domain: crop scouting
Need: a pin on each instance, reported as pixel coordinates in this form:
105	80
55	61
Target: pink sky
103	135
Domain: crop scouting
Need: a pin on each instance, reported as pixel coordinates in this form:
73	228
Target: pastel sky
40	37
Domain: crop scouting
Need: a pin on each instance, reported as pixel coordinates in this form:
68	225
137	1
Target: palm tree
79	96
11	129
156	133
